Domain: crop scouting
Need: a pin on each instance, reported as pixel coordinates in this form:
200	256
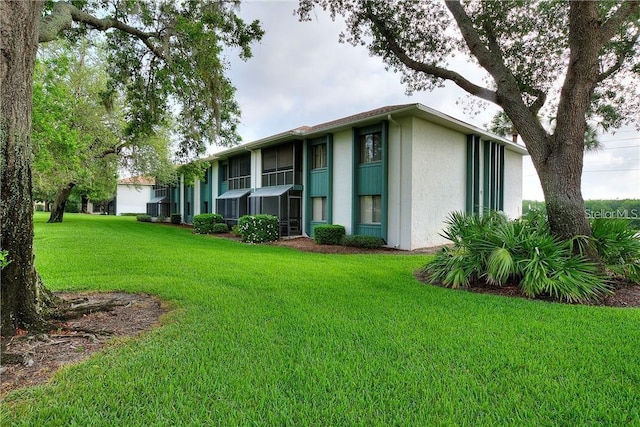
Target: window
269	160
278	158
319	156
205	207
485	175
282	164
239	172
224	172
370	209
371	147
319	208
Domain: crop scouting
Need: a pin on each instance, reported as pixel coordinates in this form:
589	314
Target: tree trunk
23	297
560	177
57	211
85	204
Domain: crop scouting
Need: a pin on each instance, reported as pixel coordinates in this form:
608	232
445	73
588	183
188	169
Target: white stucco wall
399	184
132	199
342	179
438	164
512	184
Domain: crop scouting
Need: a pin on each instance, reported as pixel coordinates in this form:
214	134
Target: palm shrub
619	247
497	251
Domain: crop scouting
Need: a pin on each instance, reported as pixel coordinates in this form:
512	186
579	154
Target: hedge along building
395	172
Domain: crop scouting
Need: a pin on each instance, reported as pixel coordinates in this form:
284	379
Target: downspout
182	207
391	120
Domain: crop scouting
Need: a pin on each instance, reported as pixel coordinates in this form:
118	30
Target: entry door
295	215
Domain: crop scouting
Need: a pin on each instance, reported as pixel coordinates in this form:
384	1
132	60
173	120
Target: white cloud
300	75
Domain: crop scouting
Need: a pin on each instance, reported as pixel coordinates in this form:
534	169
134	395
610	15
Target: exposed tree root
79	307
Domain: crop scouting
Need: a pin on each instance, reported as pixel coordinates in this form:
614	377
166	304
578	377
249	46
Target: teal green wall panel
318	184
370	178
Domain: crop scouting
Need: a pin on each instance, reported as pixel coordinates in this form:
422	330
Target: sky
301	75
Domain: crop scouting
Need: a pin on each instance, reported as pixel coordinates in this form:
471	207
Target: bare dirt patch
39	356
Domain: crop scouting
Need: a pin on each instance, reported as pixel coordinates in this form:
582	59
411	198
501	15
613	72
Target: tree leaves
168	59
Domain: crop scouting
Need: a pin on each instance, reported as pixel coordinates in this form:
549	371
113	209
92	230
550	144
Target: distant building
133	194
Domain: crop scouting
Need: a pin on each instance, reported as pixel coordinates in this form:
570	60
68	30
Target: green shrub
144	218
132	213
360	241
204	223
619	246
330	234
236	230
497	251
220	227
176	218
258	228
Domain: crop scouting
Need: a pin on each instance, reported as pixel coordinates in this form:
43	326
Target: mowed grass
265	335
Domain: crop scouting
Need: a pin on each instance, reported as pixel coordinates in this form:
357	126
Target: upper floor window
160	190
319	153
240	166
371	147
282	164
277	158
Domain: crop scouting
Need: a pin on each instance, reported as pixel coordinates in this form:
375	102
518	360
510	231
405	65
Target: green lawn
265	335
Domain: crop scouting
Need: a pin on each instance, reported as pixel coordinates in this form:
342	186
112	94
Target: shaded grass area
265	335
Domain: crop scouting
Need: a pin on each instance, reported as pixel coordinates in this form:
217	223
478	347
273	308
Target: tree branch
621	57
616	20
433	70
64	14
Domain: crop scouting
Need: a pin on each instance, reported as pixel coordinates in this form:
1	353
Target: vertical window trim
383	127
473	174
308	165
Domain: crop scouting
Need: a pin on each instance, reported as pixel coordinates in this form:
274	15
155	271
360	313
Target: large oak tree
79	143
164	56
572	61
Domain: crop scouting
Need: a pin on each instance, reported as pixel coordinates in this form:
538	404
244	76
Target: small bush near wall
176	218
329	234
204	223
132	214
258	228
220	228
360	241
144	218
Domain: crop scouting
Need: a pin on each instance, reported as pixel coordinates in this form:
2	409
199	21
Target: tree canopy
78	141
168	58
